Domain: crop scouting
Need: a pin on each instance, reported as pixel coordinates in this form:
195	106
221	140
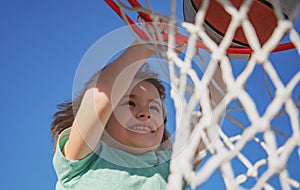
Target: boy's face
137	123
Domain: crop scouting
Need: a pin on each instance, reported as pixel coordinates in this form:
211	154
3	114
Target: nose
143	114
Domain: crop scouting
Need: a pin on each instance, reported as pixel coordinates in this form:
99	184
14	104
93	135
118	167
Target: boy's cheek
159	119
122	115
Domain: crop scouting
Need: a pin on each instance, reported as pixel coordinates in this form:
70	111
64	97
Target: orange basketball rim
261	16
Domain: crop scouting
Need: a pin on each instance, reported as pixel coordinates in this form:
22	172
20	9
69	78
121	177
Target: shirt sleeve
69	171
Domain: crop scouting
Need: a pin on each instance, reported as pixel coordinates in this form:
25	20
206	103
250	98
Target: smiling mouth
141	129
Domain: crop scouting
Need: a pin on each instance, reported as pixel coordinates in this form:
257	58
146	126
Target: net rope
197	126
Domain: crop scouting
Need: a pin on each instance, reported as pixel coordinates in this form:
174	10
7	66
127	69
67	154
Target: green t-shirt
108	168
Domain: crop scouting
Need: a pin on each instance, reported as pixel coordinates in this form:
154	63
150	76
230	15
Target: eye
129	103
155	108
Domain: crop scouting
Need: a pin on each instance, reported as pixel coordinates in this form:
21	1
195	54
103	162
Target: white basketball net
224	149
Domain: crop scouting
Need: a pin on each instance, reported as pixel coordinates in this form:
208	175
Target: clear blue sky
41	46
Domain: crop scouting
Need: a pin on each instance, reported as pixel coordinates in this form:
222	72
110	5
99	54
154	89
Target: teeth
141	129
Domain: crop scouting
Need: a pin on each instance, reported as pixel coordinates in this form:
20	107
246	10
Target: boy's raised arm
97	103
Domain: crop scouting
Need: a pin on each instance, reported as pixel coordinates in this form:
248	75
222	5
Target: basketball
217	20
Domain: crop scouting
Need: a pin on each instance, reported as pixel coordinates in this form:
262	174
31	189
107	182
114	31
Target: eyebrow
133	96
129	96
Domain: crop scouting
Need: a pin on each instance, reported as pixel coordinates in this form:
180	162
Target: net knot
282	94
191	28
260	56
276	164
262	124
218	55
